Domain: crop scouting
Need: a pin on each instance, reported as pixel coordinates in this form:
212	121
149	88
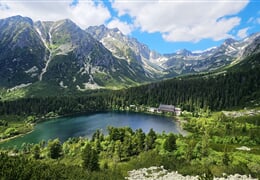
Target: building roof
169	108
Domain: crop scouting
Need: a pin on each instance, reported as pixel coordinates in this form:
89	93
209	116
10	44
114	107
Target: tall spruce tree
55	149
90	158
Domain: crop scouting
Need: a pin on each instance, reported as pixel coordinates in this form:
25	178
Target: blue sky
164	25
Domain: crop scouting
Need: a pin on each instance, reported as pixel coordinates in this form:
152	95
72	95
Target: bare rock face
127	48
253	47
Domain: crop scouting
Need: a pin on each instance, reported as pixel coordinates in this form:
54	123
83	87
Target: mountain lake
85	125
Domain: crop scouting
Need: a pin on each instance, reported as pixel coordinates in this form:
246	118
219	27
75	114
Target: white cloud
250	20
124	27
254	20
258	20
242	33
183	20
84	13
212	30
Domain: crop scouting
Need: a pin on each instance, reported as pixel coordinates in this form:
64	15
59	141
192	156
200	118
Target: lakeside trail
16	136
33	126
179	123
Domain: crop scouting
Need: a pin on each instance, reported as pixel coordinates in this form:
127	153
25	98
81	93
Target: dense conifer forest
232	88
237	87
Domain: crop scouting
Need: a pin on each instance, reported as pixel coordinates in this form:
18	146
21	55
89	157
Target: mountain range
62	55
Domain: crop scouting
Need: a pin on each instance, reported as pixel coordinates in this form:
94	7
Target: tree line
237	87
234	88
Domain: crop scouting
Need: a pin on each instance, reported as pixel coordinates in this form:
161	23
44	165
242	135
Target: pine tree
55	149
90	158
170	143
36	151
150	140
119	150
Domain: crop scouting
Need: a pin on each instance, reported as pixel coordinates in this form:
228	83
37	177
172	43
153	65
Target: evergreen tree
140	137
150	140
119	150
127	145
36	151
225	159
170	143
90	158
205	144
55	149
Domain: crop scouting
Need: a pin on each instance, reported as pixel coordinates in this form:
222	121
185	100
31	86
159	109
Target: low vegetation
211	149
219	141
13	125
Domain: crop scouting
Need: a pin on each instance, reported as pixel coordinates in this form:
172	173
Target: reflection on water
85	125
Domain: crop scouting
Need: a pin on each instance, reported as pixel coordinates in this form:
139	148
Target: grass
12	95
16	125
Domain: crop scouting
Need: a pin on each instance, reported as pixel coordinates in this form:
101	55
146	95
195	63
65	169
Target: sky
164	25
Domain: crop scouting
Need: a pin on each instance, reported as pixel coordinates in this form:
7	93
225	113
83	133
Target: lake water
85	125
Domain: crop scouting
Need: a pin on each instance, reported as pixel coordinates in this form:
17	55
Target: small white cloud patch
242	33
258	20
124	27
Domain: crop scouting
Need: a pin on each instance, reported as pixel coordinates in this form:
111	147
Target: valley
51	69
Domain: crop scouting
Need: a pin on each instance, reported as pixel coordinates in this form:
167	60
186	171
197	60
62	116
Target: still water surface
85	125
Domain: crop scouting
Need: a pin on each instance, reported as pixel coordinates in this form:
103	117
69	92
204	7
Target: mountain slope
74	56
230	51
179	63
127	48
21	52
238	86
59	57
61	54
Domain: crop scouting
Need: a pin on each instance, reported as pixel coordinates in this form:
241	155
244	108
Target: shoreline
42	119
16	136
176	119
179	123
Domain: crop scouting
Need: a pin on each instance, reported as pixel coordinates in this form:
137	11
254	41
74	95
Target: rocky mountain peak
229	41
116	30
125	47
253	47
184	52
98	32
18	20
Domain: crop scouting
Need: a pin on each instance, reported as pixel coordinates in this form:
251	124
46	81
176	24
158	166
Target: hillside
61	55
236	86
59	58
